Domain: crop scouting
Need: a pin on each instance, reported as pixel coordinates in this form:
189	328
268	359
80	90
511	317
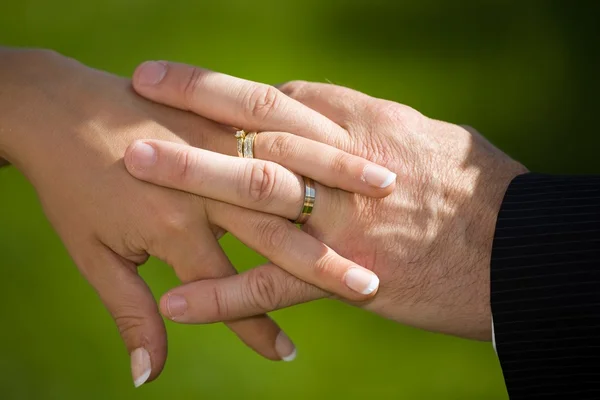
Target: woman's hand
66	127
429	242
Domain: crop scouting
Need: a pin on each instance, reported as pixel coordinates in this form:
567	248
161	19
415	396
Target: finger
321	162
260	290
222	98
258	184
196	255
131	304
250	183
339	104
233	101
342	105
326	164
295	251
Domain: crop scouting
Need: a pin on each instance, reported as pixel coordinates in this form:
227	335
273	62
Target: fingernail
284	347
151	73
143	155
140	366
361	280
176	305
378	176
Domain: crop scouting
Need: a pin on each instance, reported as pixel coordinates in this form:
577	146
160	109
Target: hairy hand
429	242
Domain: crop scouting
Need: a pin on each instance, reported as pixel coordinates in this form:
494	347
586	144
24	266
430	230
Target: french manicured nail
284	347
140	366
176	305
378	176
151	73
361	280
143	155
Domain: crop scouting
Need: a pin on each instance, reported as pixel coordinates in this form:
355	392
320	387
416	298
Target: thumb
132	305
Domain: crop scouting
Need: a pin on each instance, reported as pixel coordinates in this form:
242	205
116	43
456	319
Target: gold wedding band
245	143
245	149
309	201
249	145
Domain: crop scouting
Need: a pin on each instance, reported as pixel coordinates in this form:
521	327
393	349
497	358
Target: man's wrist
486	211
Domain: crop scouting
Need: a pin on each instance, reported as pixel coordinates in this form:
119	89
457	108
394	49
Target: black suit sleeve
545	287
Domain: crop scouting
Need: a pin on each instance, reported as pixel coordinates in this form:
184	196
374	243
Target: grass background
523	72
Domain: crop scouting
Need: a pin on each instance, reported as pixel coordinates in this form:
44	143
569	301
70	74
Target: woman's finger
251	183
132	306
295	251
227	99
233	101
260	290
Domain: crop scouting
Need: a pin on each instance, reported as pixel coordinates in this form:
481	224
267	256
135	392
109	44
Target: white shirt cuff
494	337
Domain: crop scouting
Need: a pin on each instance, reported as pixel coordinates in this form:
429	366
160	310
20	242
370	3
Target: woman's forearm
6	62
19	69
3	162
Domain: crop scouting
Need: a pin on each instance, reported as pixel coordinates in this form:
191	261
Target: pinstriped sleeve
545	287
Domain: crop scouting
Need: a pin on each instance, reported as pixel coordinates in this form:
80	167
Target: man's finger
257	291
339	104
295	251
195	254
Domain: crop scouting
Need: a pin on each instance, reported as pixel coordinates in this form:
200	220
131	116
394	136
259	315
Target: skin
66	127
429	242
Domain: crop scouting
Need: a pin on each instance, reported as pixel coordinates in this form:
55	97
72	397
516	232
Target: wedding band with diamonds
240	136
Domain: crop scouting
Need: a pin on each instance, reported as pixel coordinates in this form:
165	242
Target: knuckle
129	324
182	166
172	221
377	149
293	89
326	265
273	234
262	101
260	178
391	113
191	86
280	147
384	113
262	291
221	311
340	163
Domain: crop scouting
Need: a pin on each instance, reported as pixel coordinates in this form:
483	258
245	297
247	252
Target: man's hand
429	242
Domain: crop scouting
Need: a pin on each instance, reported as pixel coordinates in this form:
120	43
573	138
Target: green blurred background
523	72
